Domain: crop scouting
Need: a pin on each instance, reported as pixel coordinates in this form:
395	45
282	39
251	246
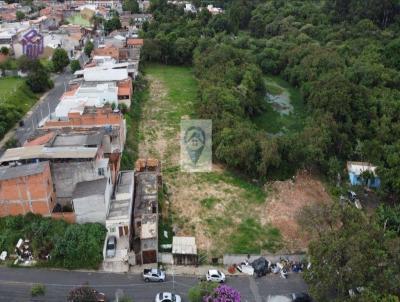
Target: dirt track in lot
286	200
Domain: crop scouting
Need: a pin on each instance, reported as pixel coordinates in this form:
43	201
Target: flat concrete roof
10	172
38	152
148	228
91	139
121	208
90	188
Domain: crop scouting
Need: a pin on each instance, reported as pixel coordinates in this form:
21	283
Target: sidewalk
180	270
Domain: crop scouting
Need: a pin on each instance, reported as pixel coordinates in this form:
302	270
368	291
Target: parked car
215	276
111	247
301	297
167	297
261	266
154	275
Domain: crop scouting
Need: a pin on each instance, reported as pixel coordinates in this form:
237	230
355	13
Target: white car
215	276
167	297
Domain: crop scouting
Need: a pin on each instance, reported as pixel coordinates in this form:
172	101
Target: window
100	171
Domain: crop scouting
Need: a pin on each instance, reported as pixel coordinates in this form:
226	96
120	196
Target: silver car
111	247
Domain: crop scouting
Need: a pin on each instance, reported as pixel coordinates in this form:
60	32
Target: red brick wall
32	193
101	117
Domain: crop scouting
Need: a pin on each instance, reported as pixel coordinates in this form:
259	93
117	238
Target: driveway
15	285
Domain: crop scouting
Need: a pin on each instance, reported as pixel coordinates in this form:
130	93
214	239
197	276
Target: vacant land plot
78	20
14	91
222	210
219	208
285	108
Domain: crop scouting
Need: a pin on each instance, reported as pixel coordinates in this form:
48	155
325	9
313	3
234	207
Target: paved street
15	285
49	103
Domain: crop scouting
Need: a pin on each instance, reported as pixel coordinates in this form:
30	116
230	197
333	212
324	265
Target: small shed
357	171
184	250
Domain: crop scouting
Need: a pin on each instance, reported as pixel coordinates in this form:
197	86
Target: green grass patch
14	91
251	237
209	202
78	20
272	121
252	192
182	90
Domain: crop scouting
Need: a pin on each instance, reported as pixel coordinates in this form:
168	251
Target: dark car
301	297
261	266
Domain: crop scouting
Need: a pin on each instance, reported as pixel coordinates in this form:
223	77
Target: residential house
88	94
357	171
119	223
26	188
145	224
69	164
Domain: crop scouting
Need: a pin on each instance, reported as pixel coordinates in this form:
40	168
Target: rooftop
358	168
91	139
41	152
90	188
23	170
184	245
148	228
121	206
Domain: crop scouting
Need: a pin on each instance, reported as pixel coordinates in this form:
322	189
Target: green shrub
38	290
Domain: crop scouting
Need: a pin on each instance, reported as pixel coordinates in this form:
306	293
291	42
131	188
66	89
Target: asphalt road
48	104
15	285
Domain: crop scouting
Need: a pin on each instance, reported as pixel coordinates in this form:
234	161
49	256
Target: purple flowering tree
223	293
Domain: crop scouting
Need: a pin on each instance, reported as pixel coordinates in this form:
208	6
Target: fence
165	258
230	259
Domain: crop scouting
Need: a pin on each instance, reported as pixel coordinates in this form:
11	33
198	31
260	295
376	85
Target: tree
88	48
353	253
60	59
38	78
112	24
4	50
20	15
130	5
223	293
75	65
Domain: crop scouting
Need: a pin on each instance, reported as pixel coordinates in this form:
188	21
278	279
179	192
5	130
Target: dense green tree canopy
60	59
342	55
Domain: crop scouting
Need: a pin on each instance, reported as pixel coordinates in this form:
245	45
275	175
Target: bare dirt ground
285	202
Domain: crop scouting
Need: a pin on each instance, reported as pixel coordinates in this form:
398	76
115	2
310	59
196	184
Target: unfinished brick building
26	188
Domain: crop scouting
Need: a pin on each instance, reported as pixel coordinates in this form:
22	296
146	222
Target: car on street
215	276
167	297
111	247
301	297
154	275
